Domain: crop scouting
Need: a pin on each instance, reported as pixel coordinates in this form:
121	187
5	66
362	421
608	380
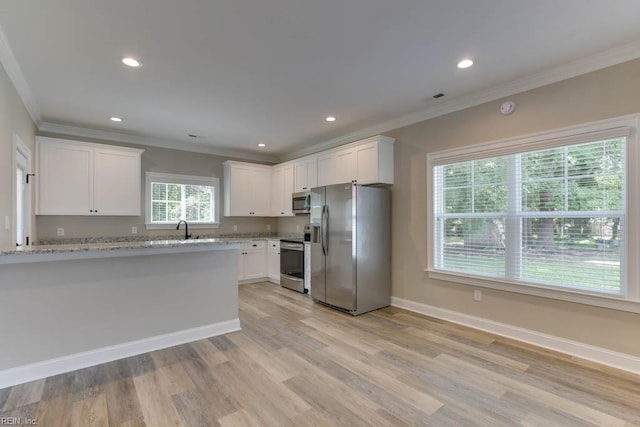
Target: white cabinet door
306	175
281	189
252	261
366	163
273	260
116	183
238	191
255	260
326	169
247	189
345	165
64	179
261	195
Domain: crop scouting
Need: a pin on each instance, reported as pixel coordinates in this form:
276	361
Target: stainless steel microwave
301	202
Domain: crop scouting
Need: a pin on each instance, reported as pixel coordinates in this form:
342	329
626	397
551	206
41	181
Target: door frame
20	147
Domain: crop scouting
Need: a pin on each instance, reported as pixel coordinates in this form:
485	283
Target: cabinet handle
90	210
255	246
281	213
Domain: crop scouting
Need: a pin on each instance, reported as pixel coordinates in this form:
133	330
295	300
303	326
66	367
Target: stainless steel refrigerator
351	247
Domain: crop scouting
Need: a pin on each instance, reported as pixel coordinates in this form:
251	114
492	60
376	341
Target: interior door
340	271
22	199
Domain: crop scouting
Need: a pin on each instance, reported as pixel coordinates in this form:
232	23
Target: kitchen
602	333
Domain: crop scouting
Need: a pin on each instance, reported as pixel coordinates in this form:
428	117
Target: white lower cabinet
252	261
273	260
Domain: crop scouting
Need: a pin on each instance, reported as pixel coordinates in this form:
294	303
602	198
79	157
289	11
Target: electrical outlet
60	231
268	227
235	227
477	295
7	222
297	228
134	230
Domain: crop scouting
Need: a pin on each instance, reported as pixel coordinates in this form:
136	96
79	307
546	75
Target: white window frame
183	180
593	131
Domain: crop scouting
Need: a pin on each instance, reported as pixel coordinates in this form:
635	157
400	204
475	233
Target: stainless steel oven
292	264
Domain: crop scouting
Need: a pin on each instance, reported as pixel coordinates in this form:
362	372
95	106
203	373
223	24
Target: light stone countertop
38	253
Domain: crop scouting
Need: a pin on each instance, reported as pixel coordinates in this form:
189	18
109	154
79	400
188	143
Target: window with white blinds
550	214
171	198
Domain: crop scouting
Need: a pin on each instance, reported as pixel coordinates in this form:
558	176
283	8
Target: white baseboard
72	362
601	355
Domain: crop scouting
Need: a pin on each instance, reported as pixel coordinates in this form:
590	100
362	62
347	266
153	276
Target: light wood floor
296	363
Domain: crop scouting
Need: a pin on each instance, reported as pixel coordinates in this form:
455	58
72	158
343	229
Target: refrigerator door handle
324	236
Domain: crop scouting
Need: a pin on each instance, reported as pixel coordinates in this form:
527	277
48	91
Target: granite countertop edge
82	245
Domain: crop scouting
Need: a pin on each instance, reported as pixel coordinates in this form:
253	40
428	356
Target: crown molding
54	129
11	66
566	71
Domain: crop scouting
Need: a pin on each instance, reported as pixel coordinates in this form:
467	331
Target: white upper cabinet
345	166
257	190
281	189
247	189
326	168
369	161
306	174
116	174
77	178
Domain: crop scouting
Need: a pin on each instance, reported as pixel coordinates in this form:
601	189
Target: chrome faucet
186	229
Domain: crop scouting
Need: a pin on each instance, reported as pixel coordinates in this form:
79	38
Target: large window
548	213
171	198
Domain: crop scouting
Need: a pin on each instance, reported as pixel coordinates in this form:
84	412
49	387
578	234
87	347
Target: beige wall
14	119
602	94
293	224
155	160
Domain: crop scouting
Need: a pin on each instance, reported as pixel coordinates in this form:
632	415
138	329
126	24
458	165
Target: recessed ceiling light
262	145
115	119
330	119
465	63
131	62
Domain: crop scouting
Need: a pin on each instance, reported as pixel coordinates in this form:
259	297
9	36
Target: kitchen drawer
254	244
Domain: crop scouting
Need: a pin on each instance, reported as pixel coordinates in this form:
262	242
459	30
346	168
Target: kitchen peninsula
66	307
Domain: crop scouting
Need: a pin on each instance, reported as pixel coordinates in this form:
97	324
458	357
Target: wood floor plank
209	352
335	390
195	410
156	404
417	399
278	370
24	394
122	403
241	418
90	412
56	411
174	379
298	363
552	400
206	379
464	348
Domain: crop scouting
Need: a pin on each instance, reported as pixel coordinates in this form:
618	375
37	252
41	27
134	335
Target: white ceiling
240	72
